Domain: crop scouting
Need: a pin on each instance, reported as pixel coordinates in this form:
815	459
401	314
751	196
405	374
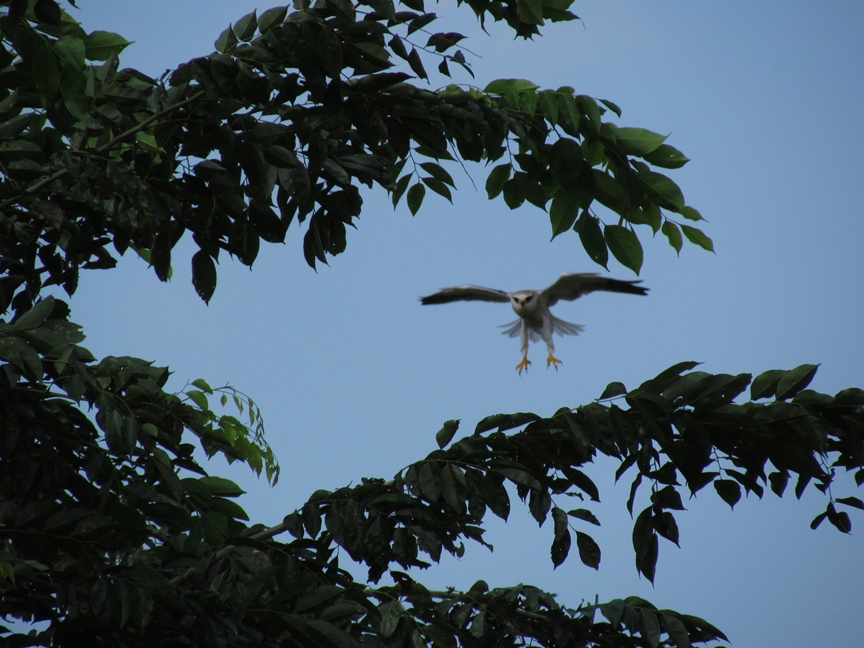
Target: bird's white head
525	302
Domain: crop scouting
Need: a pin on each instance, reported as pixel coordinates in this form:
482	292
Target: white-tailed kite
532	306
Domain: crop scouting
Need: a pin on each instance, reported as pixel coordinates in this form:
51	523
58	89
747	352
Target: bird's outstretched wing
465	293
572	285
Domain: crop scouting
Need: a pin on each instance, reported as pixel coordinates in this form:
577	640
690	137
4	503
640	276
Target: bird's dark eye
529	298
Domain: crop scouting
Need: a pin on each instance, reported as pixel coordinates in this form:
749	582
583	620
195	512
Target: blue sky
355	377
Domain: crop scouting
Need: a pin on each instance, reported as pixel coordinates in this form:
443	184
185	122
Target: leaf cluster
283	124
110	529
682	429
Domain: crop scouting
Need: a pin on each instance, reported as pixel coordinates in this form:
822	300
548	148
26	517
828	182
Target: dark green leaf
794	380
203	385
672	233
818	520
475	493
47	11
611	106
77	102
539	499
444	41
589	551
313	246
22	355
729	490
704	626
520	477
272	17
645	544
625	246
663	189
698	237
583	482
160	256
613	611
438	187
588	228
453	487
226	42
246	27
101	45
279	156
638	141
677	630
430	481
37	314
611	193
851	501
497	177
294	524
504	421
649	626
497	498
591	109
221	486
667	157
562	213
690	213
568	113
203	275
504	86
765	384
46	73
839	519
561	541
330	49
801	484
416	64
634	487
530	11
438	172
584	514
612	390
399	189
383	7
311	515
548	102
515	190
778	481
445	434
415	197
398	47
668	498
666	526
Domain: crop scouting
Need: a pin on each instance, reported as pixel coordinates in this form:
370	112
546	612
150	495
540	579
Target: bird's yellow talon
552	360
523	365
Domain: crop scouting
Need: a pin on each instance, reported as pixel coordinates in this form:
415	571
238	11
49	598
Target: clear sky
355	377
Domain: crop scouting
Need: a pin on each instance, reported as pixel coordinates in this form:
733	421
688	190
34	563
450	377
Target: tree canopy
109	526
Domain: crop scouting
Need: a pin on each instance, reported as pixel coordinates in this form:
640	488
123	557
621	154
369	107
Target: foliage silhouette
109	527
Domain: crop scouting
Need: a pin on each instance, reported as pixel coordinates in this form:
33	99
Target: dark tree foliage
297	109
112	534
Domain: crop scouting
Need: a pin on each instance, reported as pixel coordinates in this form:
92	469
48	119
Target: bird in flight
532	306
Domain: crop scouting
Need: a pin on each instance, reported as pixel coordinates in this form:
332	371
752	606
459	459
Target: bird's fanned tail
559	326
